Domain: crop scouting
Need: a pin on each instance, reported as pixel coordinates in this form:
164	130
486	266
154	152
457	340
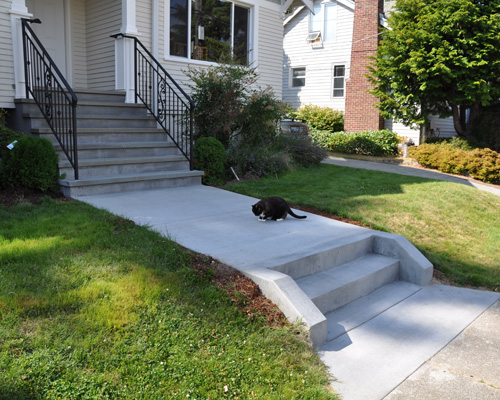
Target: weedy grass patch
94	307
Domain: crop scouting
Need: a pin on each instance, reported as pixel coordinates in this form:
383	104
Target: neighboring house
325	55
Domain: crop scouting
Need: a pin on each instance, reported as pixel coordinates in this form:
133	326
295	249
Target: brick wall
360	113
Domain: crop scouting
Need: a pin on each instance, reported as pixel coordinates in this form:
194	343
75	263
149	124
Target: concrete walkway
412	171
441	342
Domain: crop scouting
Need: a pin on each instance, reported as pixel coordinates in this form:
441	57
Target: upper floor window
324	21
209	30
338	80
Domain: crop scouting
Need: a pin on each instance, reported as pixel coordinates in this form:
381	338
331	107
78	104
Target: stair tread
105	130
125	145
337	277
123	160
365	308
128	177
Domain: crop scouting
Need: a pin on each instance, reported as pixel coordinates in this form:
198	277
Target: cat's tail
295	215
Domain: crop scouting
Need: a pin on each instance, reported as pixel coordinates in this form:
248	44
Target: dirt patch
17	196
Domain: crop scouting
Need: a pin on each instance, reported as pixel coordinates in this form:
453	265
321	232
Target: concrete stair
347	283
120	147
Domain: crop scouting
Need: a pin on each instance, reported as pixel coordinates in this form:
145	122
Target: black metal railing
163	97
51	92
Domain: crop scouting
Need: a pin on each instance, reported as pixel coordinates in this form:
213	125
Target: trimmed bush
322	118
482	164
210	157
371	143
31	164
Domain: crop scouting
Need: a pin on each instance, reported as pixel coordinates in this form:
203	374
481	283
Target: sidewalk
412	171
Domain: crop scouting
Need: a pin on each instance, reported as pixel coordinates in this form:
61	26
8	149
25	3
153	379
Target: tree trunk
462	123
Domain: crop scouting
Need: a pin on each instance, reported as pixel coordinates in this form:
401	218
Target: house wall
266	52
7	64
79	43
318	59
102	20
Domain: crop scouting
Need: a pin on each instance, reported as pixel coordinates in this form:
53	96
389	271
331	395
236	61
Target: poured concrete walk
368	361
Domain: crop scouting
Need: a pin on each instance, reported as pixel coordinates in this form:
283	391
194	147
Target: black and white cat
274	208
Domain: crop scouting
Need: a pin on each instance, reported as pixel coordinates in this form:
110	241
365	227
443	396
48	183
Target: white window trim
322	30
252	31
290	77
338	64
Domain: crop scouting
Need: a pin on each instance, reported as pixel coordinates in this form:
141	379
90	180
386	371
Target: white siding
270	48
103	20
79	44
318	59
144	22
268	32
7	64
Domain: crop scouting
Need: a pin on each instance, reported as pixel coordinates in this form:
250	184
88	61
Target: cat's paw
280	219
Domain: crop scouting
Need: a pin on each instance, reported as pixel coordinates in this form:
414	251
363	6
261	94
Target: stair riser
325	260
112	97
354	290
127	152
31	110
130	186
114	122
124	169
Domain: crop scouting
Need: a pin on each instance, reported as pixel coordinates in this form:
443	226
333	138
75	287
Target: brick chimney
360	113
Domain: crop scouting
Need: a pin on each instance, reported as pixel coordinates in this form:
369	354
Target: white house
111	55
77	34
325	54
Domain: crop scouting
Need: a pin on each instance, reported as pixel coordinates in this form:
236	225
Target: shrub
31	164
372	143
322	118
259	119
209	156
7	135
482	164
304	152
259	161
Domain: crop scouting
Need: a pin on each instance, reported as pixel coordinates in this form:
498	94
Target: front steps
343	286
120	148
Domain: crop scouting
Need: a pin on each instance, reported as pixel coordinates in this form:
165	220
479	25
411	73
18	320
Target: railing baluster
163	97
51	92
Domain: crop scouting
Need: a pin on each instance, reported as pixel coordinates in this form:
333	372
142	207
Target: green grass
457	227
95	307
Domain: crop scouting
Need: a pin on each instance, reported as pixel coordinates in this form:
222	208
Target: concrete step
338	286
129	183
123	149
367	307
340	253
100	96
111	135
124	165
103	121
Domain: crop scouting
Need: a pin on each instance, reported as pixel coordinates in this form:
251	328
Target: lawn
94	307
457	227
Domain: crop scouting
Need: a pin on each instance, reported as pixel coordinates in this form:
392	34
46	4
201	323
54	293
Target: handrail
171	106
51	92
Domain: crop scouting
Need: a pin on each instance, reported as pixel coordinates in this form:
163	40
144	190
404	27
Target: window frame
323	22
291	85
250	42
344	77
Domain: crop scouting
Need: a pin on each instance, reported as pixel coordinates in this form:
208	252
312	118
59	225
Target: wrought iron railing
51	92
163	97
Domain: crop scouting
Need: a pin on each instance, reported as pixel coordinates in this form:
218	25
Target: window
323	22
209	30
338	80
298	77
